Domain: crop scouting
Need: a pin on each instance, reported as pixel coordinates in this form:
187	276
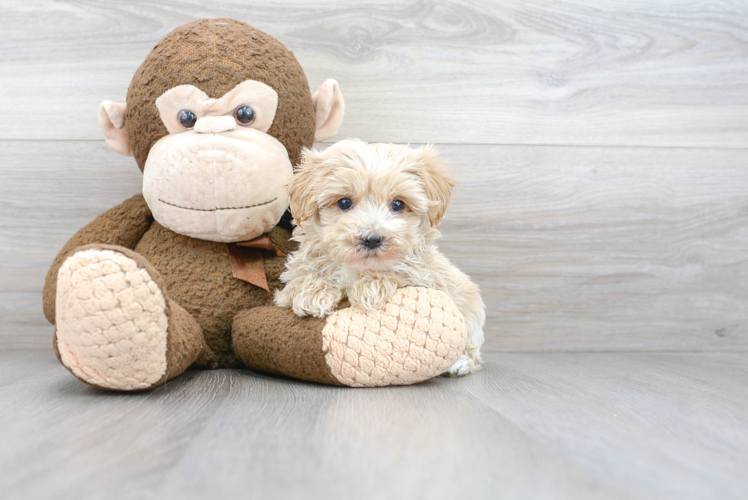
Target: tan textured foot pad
111	321
418	335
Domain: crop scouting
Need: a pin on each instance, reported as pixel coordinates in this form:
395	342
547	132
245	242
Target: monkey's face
218	175
215	117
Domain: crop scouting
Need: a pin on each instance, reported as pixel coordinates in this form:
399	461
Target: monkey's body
198	277
136	301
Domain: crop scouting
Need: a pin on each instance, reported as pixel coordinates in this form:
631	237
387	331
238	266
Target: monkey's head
216	117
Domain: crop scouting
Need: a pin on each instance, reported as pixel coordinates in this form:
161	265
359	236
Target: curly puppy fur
367	218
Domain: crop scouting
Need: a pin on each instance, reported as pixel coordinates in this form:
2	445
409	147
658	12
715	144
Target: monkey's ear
329	108
302	189
437	180
112	123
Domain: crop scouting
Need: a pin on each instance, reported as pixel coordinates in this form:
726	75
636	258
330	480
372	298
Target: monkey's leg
417	335
116	327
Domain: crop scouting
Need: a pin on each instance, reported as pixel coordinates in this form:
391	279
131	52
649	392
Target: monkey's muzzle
228	186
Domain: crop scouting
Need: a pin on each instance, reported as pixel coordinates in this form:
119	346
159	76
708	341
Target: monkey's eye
345	204
244	115
397	206
187	118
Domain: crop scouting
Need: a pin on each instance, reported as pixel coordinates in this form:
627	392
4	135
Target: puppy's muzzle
372	242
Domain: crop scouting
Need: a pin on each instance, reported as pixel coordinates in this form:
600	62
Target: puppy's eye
187	118
397	206
244	115
345	204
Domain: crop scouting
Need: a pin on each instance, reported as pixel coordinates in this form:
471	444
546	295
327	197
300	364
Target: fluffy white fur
334	262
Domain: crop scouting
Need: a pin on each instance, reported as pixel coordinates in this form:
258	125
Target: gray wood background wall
601	149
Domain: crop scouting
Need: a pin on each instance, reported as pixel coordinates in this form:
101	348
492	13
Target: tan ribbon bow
246	259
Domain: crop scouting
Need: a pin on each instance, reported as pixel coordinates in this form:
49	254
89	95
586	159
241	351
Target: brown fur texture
184	342
197	275
275	340
215	55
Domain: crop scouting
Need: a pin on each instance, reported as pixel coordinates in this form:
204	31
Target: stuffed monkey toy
182	275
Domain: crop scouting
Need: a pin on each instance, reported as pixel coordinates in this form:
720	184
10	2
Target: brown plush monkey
181	276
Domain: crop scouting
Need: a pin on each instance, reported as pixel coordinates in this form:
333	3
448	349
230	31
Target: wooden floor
602	154
531	425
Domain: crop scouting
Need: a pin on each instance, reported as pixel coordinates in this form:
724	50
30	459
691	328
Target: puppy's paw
369	302
371	293
464	366
284	298
317	300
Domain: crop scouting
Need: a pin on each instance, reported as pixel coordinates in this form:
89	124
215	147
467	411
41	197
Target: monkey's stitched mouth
219	208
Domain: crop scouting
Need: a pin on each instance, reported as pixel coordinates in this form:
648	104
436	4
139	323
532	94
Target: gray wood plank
582	425
519	72
574	248
651	420
604	248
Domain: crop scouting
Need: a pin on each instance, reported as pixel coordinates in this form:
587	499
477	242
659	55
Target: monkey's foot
113	322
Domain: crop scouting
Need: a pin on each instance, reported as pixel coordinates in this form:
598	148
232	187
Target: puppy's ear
302	189
437	180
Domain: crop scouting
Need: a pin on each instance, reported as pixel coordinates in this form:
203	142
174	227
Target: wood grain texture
604	249
577	426
518	72
575	248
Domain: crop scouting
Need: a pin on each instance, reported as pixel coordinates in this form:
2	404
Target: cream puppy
367	217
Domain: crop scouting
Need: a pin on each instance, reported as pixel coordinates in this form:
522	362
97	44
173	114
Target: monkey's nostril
372	242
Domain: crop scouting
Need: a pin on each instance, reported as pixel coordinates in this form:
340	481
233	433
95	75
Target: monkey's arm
122	225
419	334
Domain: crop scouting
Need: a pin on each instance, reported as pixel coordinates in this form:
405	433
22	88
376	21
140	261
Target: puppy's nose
372	242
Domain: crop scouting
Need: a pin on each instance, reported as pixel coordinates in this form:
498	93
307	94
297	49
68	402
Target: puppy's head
370	205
